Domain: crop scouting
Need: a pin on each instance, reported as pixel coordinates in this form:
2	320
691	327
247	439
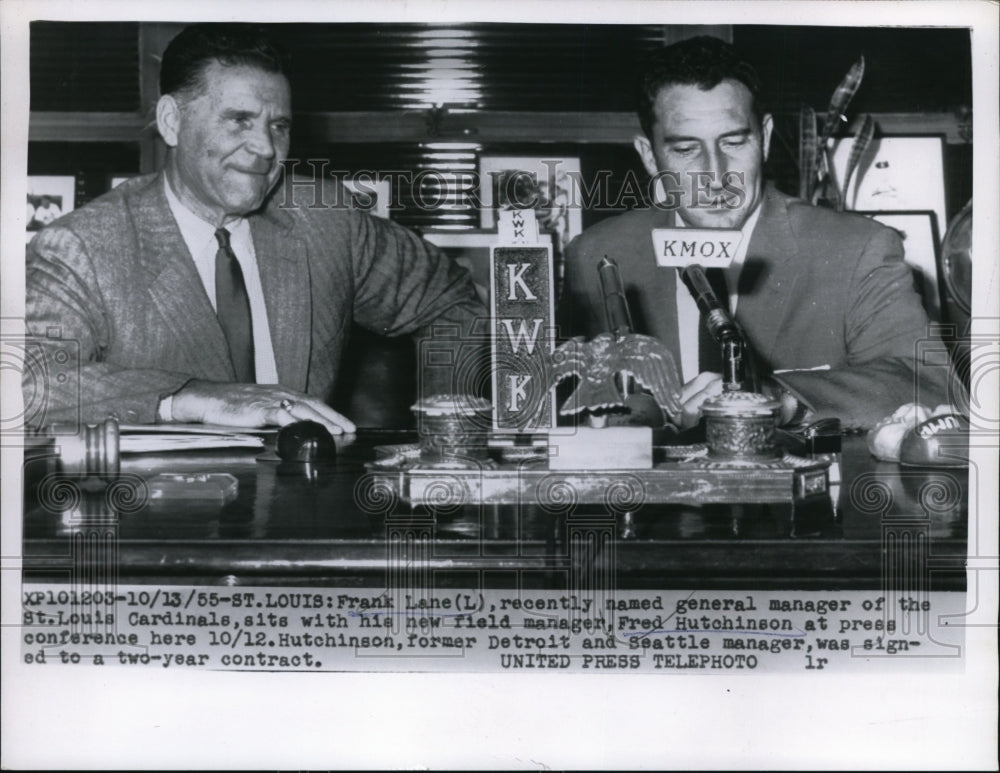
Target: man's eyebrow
744	132
233	112
239	115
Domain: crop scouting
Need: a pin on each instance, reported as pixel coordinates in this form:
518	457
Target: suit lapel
282	260
663	302
174	287
772	251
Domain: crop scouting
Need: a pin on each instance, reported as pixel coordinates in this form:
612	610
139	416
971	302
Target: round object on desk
453	426
941	441
741	426
885	439
306	441
956	266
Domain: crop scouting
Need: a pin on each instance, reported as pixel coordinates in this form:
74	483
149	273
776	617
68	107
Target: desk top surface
321	523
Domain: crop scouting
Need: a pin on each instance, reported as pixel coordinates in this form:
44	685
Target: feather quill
861	143
841	98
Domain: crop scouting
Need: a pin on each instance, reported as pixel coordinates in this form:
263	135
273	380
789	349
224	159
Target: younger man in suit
206	293
824	299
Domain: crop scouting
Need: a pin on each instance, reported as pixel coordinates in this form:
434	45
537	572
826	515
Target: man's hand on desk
792	411
251	405
696	391
706	385
642	410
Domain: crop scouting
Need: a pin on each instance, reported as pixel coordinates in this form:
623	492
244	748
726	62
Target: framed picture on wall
49	197
921	249
548	184
897	174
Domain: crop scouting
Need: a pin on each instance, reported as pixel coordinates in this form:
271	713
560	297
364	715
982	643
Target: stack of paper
160	438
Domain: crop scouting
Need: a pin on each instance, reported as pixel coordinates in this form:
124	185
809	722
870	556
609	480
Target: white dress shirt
199	236
688	315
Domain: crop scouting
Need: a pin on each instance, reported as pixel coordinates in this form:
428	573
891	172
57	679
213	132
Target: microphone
615	304
690	251
616	312
722	327
717	318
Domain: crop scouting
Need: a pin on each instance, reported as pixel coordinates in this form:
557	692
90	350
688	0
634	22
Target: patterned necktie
709	350
232	304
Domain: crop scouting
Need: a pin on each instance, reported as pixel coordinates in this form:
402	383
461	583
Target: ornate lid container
453	426
741	425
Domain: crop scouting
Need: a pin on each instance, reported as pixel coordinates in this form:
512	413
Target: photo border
538	721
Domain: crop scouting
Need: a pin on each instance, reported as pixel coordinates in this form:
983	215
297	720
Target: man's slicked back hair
702	61
196	47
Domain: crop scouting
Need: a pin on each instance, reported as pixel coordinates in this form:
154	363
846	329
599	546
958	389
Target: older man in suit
824	299
205	293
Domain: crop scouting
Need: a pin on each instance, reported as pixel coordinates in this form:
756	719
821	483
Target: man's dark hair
197	46
702	61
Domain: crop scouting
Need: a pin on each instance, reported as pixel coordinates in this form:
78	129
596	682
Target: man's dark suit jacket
116	281
817	289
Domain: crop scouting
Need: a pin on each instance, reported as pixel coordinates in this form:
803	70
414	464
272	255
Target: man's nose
260	142
718	165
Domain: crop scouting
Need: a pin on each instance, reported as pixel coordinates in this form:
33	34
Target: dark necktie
709	350
232	304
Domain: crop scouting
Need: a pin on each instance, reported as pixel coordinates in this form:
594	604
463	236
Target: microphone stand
616	311
738	375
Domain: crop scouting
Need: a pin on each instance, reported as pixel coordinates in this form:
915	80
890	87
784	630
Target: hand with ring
253	405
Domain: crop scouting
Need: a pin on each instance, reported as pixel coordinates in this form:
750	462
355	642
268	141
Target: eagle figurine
596	362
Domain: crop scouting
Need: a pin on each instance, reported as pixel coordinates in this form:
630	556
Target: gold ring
286	405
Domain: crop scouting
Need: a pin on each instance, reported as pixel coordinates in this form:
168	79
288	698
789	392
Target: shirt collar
751	224
198	234
746	230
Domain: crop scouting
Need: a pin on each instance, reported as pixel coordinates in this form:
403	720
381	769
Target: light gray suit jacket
817	289
113	287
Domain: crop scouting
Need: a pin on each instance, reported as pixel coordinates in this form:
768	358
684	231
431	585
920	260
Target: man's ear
645	150
168	119
766	125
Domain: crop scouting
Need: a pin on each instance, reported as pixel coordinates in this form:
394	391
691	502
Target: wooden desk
896	527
